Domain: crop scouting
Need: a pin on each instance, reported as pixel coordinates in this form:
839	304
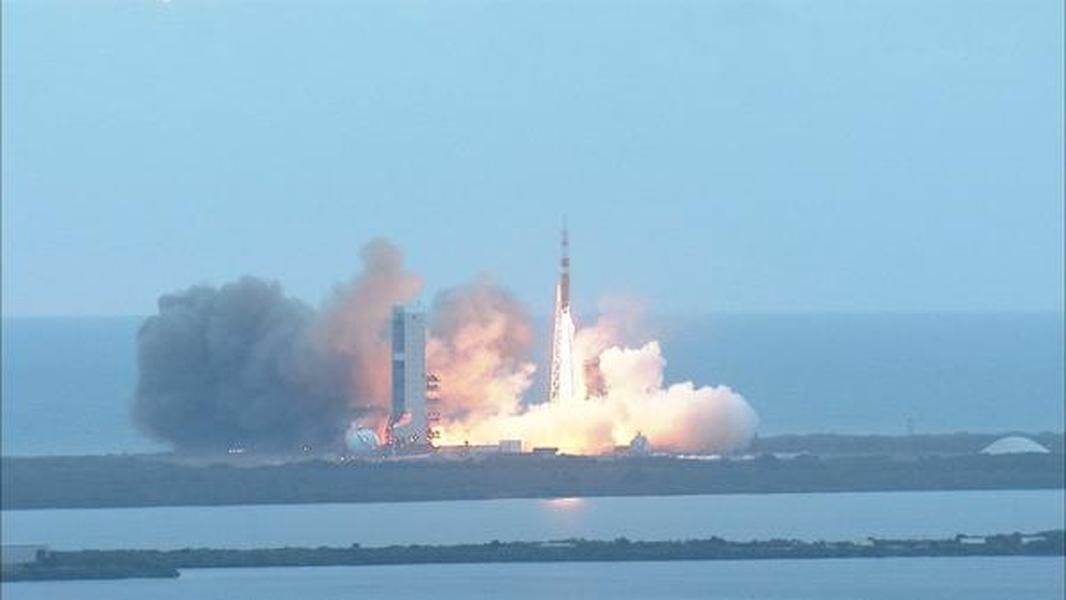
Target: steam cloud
354	326
479	346
245	365
627	397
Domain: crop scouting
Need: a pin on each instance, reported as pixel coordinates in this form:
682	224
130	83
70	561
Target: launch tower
408	421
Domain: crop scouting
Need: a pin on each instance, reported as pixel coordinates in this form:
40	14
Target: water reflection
565	504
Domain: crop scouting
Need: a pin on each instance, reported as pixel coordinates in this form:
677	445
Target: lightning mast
562	359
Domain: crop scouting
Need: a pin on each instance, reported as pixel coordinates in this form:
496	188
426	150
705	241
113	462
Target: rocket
562	357
563	300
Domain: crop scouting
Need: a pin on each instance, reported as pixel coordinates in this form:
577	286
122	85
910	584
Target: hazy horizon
69	382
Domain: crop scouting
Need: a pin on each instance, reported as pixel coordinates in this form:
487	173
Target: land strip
111	564
164	480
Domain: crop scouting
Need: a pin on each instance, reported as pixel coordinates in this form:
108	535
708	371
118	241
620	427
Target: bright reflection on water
564	504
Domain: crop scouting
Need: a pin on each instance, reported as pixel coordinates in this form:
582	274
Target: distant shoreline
123	564
159	480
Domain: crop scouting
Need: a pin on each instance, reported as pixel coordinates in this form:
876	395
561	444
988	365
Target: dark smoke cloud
244	365
234	365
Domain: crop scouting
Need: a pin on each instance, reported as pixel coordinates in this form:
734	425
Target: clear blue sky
710	155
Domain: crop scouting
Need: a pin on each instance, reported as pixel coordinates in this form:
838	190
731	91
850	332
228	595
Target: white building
510	446
408	424
1014	444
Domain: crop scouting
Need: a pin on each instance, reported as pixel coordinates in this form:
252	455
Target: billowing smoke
244	365
235	365
479	347
354	326
625	396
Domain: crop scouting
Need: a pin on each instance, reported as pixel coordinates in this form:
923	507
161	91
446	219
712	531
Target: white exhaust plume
678	417
602	391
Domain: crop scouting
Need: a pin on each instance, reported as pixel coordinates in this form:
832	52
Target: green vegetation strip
126	481
111	564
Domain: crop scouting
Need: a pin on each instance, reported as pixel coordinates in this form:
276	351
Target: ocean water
868	579
846	516
68	382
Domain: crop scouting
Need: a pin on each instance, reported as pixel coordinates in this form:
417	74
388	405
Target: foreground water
739	517
68	383
891	578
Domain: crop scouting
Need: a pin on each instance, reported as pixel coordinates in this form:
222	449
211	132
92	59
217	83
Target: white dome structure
361	440
1014	444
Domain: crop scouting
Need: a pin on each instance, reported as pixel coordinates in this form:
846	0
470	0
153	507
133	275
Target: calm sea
852	516
882	579
67	382
807	516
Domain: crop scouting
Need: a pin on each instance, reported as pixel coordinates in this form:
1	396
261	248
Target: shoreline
151	481
124	564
